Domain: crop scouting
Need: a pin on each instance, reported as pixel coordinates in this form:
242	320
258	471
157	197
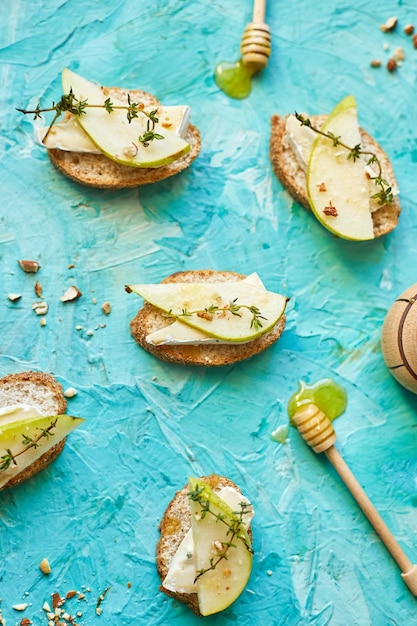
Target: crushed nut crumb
29	266
45	567
70	393
376	63
14	297
71	294
415	41
40	308
38	289
399	54
322	187
391	64
106	308
409	29
330	210
389	25
20	607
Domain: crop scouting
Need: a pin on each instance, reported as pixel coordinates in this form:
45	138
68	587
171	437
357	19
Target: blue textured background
94	513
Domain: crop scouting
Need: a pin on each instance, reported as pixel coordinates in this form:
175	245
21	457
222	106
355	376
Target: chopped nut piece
29	266
42	321
38	289
20	607
71	294
409	29
391	65
40	308
205	315
25	621
45	567
330	210
70	266
389	25
322	187
70	393
14	297
376	63
106	308
399	54
57	601
71	594
415	41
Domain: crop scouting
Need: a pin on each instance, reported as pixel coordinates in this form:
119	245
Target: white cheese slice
178	333
17	412
182	570
68	134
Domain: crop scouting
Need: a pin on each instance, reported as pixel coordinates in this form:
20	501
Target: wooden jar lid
399	339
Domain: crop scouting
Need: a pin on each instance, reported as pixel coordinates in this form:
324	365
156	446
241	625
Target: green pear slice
114	135
217	530
337	186
206	306
24	441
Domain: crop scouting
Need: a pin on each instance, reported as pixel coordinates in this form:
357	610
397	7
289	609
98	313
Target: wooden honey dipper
318	432
255	46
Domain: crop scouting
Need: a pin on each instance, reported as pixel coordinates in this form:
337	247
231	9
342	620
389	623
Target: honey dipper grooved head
315	427
255	46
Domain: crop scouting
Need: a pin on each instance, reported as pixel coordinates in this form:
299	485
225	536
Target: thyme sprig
70	103
27	442
384	195
235	309
234	528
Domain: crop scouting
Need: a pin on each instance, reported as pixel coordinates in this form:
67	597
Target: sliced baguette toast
149	319
97	170
43	392
293	176
174	525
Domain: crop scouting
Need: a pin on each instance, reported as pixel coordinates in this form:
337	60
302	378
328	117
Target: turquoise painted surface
94	513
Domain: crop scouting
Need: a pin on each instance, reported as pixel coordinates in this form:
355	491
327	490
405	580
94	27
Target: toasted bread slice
293	176
97	170
174	525
149	319
43	392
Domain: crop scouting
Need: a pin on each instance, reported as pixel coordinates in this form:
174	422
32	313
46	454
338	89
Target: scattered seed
70	393
29	266
14	297
71	294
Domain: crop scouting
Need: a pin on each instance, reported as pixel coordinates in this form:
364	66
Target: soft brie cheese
17	412
178	333
182	570
68	134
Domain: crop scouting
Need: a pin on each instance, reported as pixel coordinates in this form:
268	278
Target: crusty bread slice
43	392
149	319
97	170
174	525
293	177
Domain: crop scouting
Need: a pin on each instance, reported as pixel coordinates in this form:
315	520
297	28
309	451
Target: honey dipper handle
409	571
259	10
